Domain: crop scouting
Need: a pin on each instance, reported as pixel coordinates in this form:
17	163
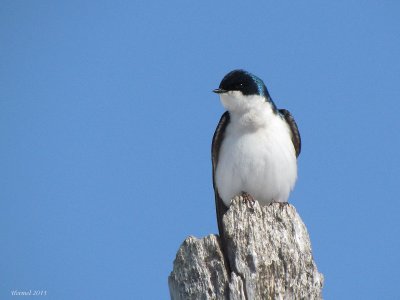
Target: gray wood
269	254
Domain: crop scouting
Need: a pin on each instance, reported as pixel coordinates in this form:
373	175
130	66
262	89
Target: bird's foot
248	199
281	204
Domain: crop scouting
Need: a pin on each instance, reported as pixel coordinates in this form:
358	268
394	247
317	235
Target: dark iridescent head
245	82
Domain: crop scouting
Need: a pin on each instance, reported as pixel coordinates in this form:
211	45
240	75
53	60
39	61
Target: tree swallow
255	145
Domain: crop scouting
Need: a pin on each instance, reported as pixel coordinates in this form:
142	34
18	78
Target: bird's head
240	90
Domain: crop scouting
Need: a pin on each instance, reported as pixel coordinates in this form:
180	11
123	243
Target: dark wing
216	145
296	140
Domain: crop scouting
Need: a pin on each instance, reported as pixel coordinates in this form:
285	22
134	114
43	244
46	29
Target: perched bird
255	145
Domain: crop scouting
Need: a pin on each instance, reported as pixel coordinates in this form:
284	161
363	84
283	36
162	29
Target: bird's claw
281	204
248	199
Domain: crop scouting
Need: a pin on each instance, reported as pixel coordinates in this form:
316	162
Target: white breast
257	156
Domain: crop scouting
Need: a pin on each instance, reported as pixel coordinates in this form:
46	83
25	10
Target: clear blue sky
106	119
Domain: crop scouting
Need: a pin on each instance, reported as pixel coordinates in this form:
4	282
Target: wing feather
215	147
296	139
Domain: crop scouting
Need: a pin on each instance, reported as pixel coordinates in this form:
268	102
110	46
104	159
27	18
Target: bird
254	147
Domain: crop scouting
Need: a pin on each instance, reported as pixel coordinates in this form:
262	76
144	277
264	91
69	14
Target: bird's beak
219	91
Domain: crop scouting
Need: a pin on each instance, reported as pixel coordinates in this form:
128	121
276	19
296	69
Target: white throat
249	112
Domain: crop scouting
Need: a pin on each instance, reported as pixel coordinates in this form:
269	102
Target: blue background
106	119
